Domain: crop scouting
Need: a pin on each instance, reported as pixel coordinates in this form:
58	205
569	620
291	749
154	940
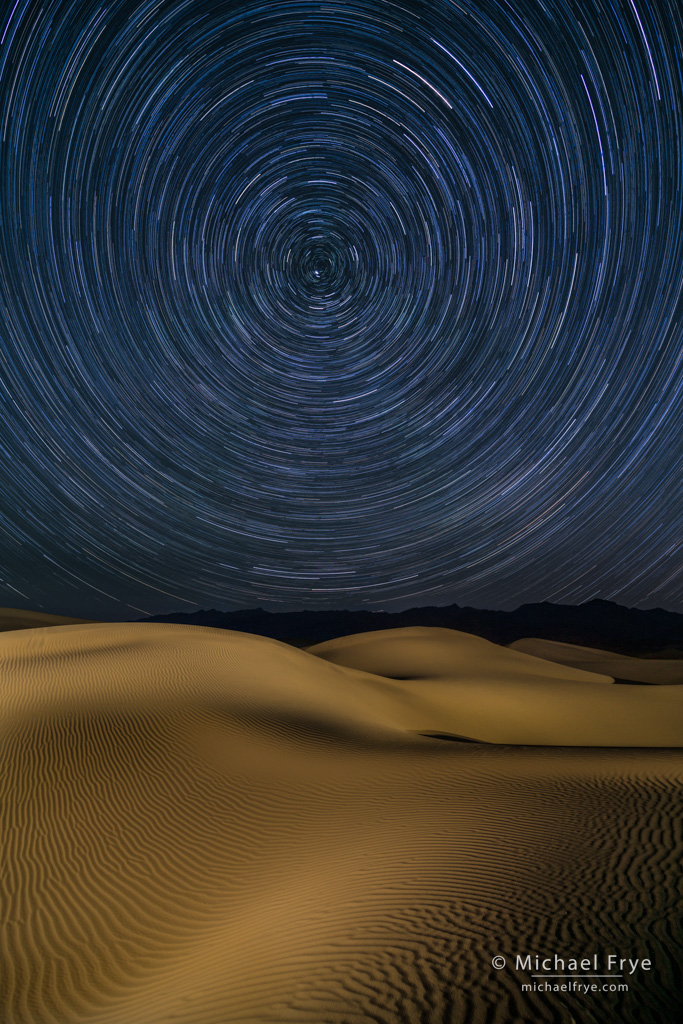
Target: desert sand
461	684
209	827
18	618
591	659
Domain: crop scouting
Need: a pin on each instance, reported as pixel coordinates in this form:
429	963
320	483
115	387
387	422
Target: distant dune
639	670
455	682
209	827
17	618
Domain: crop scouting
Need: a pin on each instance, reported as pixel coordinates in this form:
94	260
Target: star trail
340	305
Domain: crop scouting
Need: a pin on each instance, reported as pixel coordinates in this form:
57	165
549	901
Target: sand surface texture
205	827
637	670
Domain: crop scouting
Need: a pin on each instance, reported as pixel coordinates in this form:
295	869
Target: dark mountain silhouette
595	624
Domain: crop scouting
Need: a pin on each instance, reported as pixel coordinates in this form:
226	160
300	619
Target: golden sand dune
205	827
591	659
427	652
461	684
17	618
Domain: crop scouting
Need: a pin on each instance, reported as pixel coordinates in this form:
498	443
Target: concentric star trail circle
341	304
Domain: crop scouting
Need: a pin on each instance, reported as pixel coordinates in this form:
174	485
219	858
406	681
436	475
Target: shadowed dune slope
17	618
213	828
590	659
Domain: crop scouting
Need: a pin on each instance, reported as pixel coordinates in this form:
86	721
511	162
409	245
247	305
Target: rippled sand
208	827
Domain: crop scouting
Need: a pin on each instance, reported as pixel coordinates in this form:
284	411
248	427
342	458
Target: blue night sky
372	304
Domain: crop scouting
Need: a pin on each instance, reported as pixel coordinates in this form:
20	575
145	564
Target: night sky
360	304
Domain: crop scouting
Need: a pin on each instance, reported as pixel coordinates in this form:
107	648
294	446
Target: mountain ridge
596	623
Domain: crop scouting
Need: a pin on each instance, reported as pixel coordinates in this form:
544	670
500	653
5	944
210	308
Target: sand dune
208	827
17	618
459	683
591	659
427	652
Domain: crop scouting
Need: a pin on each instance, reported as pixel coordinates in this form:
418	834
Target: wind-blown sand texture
591	659
208	827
